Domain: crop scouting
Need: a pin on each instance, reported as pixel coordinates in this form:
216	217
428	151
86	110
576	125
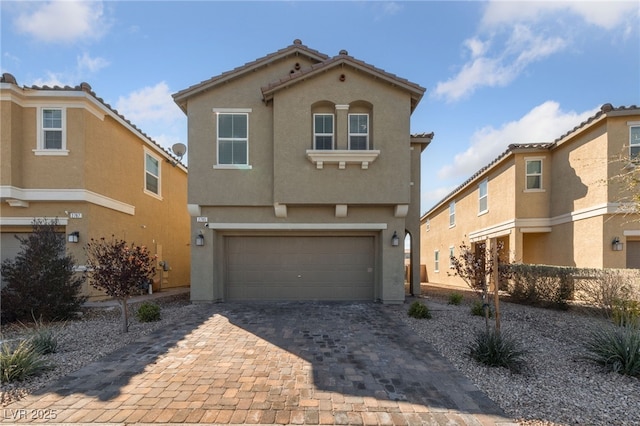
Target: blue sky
496	72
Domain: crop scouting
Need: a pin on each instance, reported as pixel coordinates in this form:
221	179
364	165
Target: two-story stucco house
303	179
553	203
67	155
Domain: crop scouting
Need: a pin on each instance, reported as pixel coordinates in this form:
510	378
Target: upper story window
358	131
233	139
322	131
483	197
452	214
51	132
634	143
151	174
533	174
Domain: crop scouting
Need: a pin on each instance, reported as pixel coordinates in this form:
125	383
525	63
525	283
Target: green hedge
542	285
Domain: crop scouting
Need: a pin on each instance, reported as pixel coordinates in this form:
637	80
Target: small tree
119	270
40	281
473	266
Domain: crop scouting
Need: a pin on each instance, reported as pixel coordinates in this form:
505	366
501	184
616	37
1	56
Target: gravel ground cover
557	386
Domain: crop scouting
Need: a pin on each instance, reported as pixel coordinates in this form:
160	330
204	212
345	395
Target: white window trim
526	175
40	149
144	168
633	124
486	196
452	253
358	134
436	261
219	166
451	225
333	136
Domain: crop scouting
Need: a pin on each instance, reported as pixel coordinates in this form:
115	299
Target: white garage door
633	254
299	268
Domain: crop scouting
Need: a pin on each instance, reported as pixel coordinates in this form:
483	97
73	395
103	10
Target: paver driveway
276	363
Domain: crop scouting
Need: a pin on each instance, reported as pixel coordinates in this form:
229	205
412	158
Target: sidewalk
142	298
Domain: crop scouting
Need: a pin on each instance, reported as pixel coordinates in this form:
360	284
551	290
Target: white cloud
52	79
86	62
152	110
62	21
522	48
431	197
604	14
152	103
520	33
544	123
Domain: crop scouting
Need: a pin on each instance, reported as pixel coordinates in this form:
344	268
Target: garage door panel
299	268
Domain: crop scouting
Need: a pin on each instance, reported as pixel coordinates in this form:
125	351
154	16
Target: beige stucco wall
570	222
105	161
280	133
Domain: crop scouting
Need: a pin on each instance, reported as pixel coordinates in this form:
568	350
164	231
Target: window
233	138
52	128
51	139
427	224
358	131
151	174
436	261
534	174
452	254
634	143
452	214
483	199
322	131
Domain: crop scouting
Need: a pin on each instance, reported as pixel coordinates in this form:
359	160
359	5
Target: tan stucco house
555	203
67	155
303	179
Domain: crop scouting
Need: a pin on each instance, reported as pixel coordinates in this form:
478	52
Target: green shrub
40	280
148	312
616	348
44	340
418	310
540	285
477	309
18	363
497	349
455	299
626	312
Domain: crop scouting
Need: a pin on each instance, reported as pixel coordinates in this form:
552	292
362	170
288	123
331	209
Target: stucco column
342	127
202	285
516	248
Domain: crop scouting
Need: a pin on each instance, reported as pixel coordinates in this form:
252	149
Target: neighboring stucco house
548	203
303	179
65	154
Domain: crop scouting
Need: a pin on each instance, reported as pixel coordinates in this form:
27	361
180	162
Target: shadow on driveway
272	363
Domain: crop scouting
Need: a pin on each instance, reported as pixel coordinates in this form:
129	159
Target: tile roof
85	87
323	62
604	109
296	48
344	58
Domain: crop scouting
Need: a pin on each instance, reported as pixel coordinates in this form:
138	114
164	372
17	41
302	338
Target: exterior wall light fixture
395	241
200	239
73	237
616	245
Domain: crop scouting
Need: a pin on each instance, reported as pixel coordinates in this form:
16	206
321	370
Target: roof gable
341	60
297	48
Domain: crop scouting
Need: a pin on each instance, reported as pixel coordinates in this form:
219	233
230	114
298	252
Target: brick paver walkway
282	363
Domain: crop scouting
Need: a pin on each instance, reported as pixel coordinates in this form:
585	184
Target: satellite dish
179	149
